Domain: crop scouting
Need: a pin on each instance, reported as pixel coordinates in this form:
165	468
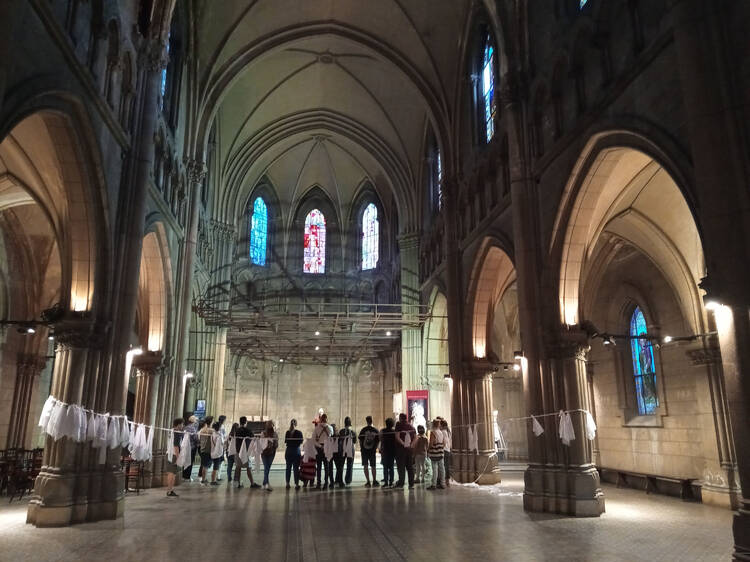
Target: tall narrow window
259	232
644	367
163	85
582	3
370	237
439	179
315	242
488	88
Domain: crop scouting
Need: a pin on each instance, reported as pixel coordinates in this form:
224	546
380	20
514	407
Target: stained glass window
582	4
644	367
163	85
488	88
370	237
259	232
439	174
315	242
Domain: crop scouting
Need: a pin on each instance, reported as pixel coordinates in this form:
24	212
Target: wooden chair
133	475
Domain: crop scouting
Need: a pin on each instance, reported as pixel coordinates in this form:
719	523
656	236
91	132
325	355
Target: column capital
478	369
149	363
570	344
153	55
30	364
409	240
196	170
80	331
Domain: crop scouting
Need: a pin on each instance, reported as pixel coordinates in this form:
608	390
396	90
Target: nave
361	523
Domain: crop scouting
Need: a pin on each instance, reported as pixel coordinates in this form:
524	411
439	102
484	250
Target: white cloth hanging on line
329	448
170	446
243	452
217	446
138	444
473	440
260	446
53	426
113	433
536	427
231	446
148	451
183	459
124	432
590	426
348	447
309	451
46	412
566	431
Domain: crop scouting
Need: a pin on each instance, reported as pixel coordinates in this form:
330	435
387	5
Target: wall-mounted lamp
518	355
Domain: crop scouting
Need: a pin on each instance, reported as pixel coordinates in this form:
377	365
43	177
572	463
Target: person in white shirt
321	434
446	450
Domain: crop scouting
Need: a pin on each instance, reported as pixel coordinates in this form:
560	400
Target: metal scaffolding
327	333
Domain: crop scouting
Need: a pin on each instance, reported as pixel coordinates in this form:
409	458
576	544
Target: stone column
411	338
149	370
28	366
473	391
733	327
67	489
196	171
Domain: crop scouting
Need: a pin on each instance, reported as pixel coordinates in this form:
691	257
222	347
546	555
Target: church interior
524	220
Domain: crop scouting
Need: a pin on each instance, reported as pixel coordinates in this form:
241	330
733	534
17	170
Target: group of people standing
316	459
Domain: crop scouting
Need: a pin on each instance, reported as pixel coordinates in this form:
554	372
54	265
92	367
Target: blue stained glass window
163	85
488	88
644	367
582	4
370	237
259	232
315	243
439	173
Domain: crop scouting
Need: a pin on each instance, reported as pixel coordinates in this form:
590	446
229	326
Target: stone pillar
28	366
196	171
411	338
149	370
473	392
564	479
733	327
68	488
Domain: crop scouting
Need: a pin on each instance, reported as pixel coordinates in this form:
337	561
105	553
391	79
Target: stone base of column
481	468
568	491
721	488
741	528
155	471
59	499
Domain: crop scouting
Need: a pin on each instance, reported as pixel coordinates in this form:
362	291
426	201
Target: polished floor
461	523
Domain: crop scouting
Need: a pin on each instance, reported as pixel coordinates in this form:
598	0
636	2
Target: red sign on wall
417	402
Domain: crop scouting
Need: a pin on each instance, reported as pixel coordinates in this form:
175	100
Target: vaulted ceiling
332	92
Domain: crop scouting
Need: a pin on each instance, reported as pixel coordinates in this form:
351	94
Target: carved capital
149	363
704	356
81	333
571	344
196	170
223	230
154	55
29	364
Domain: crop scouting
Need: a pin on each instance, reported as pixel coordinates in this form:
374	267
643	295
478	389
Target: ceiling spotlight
30	330
388	333
317	332
667	339
317	348
712	305
516	367
281	360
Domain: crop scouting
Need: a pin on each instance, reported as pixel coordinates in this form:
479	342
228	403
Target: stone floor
462	523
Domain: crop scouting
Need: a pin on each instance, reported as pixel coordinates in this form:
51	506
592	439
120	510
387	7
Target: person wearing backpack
369	437
345	454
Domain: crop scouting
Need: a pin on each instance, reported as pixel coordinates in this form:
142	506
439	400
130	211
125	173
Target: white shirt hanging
348	447
308	449
260	445
183	459
113	433
329	447
83	423
243	452
536	427
217	446
148	452
590	426
232	446
566	431
124	432
91	428
170	445
138	444
53	425
46	412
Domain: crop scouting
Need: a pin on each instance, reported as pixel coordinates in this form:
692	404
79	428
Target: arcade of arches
264	208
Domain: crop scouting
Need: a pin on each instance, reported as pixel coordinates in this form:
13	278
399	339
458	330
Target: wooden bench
651	482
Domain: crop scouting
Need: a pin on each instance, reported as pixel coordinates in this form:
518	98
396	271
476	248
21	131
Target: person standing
217	452
369	437
405	434
419	450
320	436
446	450
204	434
345	454
231	448
435	452
192	429
293	441
171	467
269	452
388	451
242	434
